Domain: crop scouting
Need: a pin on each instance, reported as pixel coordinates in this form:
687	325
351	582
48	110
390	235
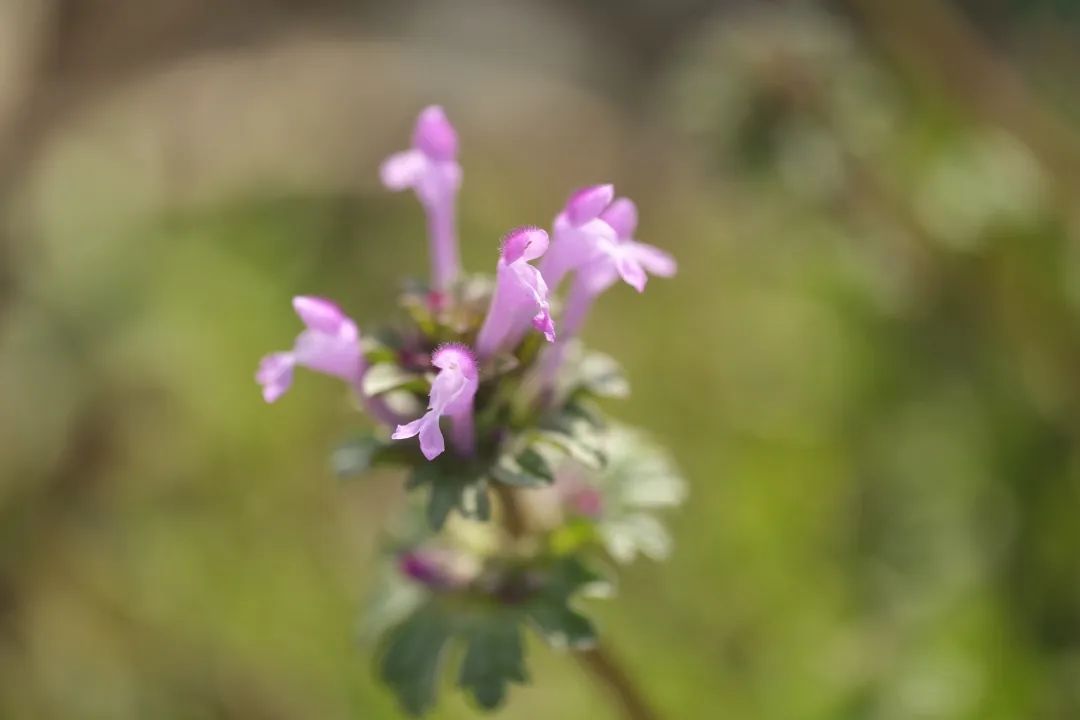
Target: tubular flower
452	394
330	344
614	256
540	479
430	168
610	257
520	297
624	257
577	231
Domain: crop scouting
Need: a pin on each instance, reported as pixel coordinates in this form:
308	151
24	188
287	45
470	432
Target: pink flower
622	256
430	169
600	256
451	395
330	344
520	297
577	231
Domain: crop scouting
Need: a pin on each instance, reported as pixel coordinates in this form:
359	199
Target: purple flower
330	344
520	296
430	168
612	256
577	231
438	568
623	257
600	258
451	395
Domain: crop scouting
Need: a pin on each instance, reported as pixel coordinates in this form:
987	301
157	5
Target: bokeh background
868	368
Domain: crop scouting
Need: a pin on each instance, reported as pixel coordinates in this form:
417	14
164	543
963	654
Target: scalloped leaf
453	486
489	624
494	658
412	656
359	454
551	611
529	468
640	478
577	441
386	377
602	376
562	626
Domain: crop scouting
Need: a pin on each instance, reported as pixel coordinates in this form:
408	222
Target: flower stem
598	662
513	517
577	308
604	669
445	261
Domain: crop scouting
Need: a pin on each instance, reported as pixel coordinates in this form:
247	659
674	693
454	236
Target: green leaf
415	304
562	626
550	610
627	536
569	576
577	444
379	354
529	468
639	479
412	655
393	598
381	379
494	658
360	454
445	496
452	486
355	456
601	376
475	501
490	627
534	463
579	410
422	474
640	474
510	472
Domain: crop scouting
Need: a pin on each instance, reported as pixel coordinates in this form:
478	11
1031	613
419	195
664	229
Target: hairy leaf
494	657
383	378
412	656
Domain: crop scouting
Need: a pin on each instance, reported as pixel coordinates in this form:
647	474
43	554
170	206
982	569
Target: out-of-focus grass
866	369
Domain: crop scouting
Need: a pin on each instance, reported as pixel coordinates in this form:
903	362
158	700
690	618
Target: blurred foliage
867	370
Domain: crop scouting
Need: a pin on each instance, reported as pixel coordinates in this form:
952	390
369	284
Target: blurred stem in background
933	40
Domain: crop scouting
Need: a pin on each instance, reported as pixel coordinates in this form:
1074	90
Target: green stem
605	670
600	665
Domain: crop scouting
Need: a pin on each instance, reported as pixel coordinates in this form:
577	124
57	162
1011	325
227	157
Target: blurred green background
868	368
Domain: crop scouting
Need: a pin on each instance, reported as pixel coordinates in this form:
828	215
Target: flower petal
622	216
431	438
524	243
631	271
434	135
587	203
653	259
544	323
408	430
275	374
324	316
403	170
329	354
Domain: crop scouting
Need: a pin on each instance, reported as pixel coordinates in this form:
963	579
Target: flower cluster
528	485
